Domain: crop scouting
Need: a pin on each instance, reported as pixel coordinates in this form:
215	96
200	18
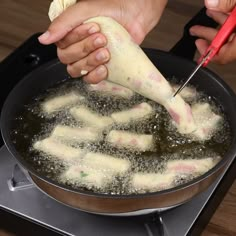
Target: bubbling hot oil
32	125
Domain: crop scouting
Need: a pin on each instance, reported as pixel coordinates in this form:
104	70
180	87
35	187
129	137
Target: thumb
67	21
221	5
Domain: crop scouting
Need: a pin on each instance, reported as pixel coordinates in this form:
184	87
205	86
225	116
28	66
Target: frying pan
170	66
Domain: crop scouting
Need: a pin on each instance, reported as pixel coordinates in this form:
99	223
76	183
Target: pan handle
154	224
186	47
26	57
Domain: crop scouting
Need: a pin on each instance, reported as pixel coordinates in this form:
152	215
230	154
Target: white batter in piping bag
58	6
130	67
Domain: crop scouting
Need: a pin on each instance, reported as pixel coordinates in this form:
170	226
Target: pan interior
31	124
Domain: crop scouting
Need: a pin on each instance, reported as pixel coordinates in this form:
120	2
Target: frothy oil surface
32	125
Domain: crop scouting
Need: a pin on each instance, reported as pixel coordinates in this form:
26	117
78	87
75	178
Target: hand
81	46
224	6
218	12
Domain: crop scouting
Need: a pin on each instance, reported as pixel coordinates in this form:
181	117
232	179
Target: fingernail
102	56
84	72
101	70
44	36
212	3
93	30
192	32
98	41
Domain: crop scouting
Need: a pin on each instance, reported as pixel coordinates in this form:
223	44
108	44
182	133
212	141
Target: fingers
206	32
219	17
82	49
226	54
78	34
202	46
67	21
96	75
203	32
89	63
221	5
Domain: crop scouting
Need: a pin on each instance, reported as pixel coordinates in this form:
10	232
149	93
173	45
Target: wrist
145	17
